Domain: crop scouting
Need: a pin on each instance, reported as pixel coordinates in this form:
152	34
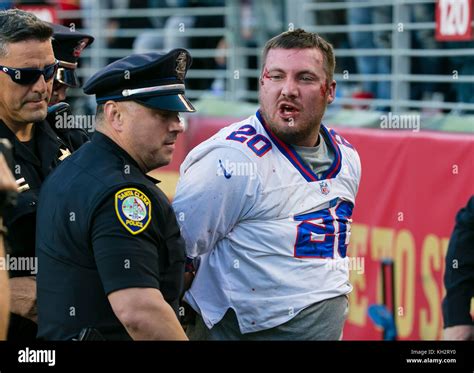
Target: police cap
154	79
68	45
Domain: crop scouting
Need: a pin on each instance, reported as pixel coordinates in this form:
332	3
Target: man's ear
331	92
113	115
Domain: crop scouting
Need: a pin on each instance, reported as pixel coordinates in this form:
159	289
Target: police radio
58	114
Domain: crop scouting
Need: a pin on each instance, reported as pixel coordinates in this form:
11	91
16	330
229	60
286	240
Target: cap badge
80	47
181	63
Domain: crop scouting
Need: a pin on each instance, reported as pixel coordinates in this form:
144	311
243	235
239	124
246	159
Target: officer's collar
152	179
44	136
112	147
6	132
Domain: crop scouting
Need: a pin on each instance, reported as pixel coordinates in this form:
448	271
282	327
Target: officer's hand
23	297
188	280
189	316
459	333
7	181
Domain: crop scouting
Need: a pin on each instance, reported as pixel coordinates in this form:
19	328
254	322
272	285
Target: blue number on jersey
247	133
263	149
241	135
317	231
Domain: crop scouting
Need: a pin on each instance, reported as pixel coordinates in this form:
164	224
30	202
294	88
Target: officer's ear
113	115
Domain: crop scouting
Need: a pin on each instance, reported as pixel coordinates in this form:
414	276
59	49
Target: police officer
459	278
110	252
7	185
27	70
68	45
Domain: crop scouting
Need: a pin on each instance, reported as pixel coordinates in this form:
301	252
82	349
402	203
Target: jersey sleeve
124	258
215	191
358	169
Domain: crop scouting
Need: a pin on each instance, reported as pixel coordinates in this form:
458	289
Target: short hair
17	25
301	39
99	114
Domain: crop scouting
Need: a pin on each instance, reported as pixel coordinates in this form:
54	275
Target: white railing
297	13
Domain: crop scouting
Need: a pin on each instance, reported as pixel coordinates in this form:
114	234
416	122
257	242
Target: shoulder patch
133	209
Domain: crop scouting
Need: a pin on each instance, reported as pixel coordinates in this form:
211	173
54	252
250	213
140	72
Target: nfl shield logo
323	185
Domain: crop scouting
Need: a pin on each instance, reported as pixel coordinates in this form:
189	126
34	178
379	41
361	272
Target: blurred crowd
255	28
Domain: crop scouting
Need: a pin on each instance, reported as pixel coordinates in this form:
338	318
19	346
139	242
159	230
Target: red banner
413	184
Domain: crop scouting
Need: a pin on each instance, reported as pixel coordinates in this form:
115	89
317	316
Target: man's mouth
170	142
35	101
287	110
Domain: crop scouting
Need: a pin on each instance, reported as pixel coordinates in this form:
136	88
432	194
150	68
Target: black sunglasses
30	76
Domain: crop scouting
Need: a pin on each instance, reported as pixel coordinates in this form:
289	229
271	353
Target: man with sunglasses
27	70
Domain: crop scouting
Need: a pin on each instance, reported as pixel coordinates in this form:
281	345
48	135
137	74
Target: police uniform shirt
459	280
33	162
105	226
72	138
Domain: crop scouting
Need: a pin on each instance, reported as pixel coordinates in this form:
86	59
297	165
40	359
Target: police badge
133	209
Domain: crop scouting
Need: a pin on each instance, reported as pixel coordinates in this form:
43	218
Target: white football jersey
270	235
